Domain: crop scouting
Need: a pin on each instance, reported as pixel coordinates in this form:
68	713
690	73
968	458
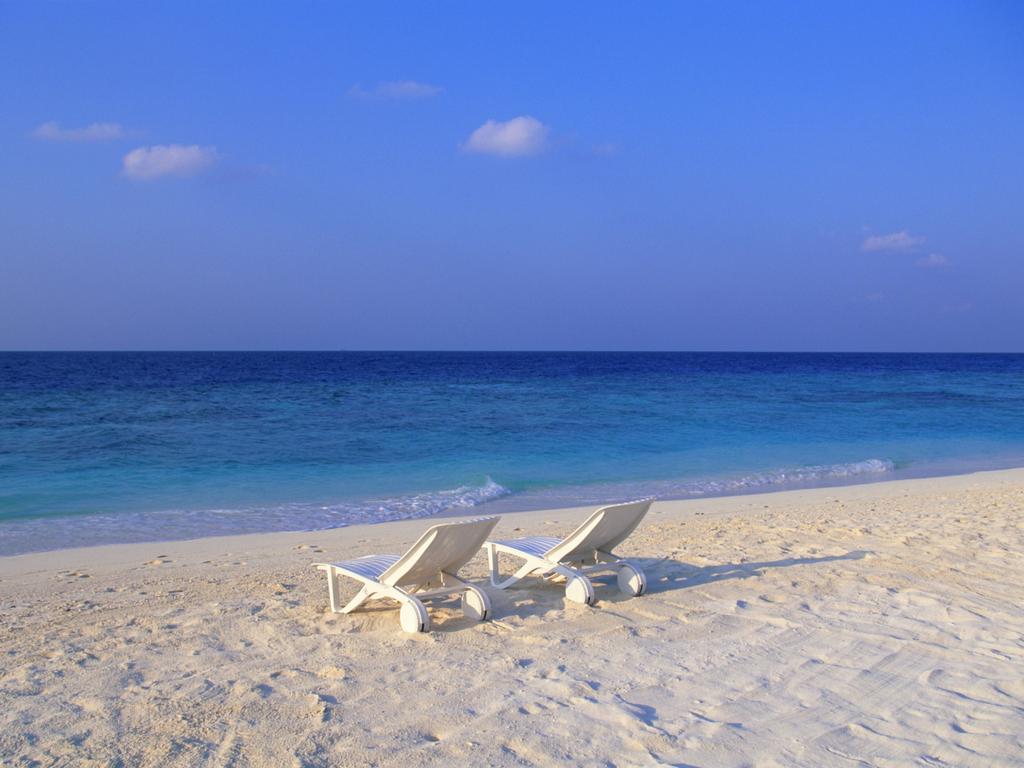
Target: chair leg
361	597
492	562
525	570
332	589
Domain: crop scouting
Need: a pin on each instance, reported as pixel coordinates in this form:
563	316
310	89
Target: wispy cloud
51	131
522	135
932	261
895	241
153	162
396	90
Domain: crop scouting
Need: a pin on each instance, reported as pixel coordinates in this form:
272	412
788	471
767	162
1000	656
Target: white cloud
932	261
167	160
523	135
51	131
396	90
896	241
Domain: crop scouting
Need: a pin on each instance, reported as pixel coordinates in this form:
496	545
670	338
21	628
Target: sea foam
33	534
27	535
686	488
794	476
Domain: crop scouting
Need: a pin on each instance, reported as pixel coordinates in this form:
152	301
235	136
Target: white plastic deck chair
586	550
428	570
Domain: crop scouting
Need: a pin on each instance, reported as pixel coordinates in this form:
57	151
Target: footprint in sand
319	705
332	673
533	708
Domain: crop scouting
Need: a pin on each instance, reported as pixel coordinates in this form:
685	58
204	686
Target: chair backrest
605	529
446	547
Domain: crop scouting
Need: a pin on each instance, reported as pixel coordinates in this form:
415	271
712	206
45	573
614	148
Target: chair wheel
632	581
476	605
414	617
579	590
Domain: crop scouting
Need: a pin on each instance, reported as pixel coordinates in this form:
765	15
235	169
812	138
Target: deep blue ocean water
105	447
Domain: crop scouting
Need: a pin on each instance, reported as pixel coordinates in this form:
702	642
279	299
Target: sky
660	176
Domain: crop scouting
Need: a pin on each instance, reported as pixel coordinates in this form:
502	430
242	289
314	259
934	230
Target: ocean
137	446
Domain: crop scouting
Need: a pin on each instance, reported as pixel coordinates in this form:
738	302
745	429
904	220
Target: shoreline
730	500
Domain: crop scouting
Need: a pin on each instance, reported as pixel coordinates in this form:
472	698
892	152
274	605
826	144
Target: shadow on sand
534	597
666	574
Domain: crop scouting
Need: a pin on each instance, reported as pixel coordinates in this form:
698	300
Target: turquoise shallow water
102	447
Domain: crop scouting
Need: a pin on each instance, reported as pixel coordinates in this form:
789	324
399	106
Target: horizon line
185	351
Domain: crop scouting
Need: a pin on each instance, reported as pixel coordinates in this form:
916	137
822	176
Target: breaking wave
27	535
33	534
797	476
756	482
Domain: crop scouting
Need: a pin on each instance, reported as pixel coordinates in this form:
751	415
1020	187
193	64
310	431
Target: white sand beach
877	625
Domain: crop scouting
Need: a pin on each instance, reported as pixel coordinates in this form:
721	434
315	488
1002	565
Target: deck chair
586	550
428	570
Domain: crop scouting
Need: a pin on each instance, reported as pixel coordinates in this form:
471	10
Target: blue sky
734	176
